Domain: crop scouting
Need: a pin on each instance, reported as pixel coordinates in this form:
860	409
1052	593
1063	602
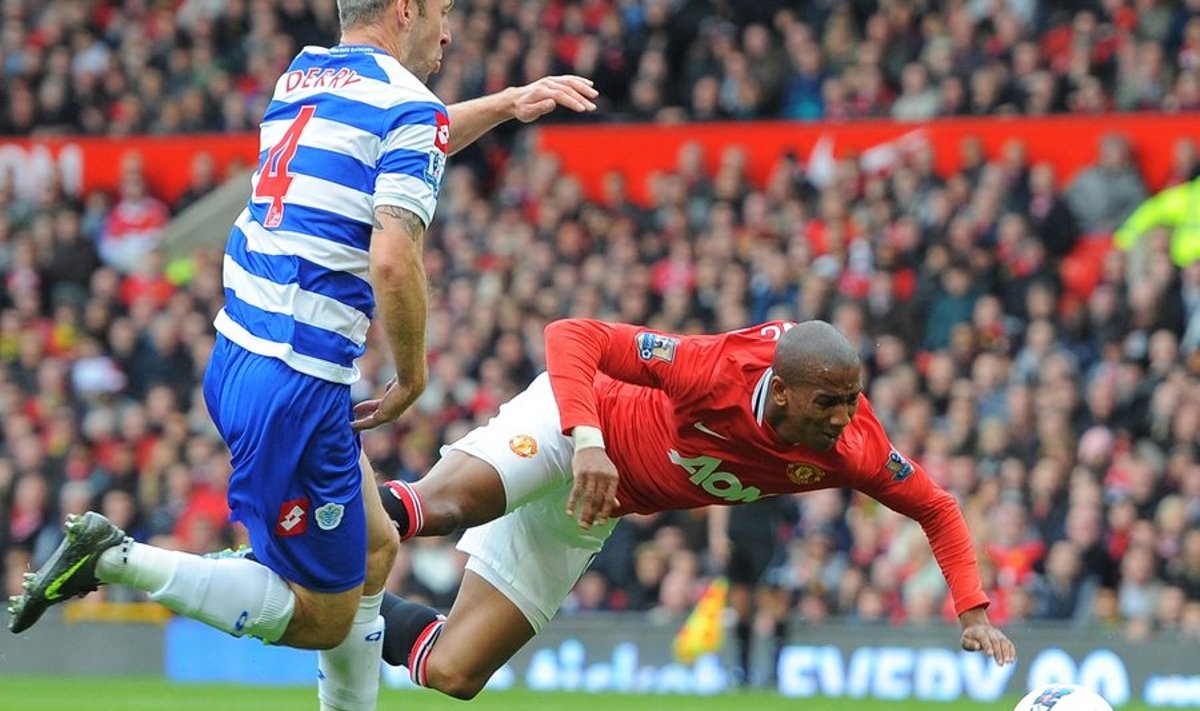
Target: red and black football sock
409	634
403	505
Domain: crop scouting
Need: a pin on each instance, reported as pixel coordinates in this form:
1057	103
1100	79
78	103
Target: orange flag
702	631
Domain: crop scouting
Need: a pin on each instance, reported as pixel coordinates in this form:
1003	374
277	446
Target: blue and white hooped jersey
348	129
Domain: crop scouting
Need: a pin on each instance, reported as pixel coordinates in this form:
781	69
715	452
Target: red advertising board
1069	142
95	163
640	150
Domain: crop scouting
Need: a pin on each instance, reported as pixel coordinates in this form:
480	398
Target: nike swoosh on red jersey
700	426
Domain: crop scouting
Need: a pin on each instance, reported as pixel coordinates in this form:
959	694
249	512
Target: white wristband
585	436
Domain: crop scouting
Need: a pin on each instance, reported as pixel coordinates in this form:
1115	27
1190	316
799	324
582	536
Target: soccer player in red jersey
629	420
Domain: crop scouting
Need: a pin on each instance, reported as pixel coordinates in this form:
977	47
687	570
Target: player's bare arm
398	278
471	119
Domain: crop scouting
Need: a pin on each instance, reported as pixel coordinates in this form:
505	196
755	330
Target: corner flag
702	631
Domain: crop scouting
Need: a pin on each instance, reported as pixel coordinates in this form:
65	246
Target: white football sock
234	595
348	678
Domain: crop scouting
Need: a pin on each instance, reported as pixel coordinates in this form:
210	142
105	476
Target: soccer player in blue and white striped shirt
353	148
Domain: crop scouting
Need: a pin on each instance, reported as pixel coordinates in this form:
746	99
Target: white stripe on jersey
399	76
324	195
414	138
299	362
323	252
290	300
327	135
412	194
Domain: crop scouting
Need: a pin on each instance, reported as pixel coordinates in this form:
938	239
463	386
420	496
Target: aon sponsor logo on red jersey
705	473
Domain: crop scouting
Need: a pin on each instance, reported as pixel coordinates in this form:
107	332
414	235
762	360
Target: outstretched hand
397	398
594	494
979	635
535	100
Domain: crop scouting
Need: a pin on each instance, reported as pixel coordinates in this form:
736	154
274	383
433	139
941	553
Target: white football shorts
535	553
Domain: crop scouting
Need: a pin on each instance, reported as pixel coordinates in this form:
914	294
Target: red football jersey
683	421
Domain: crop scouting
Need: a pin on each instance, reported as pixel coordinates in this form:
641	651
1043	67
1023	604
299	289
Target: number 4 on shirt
275	179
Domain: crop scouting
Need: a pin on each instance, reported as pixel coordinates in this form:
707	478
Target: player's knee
324	636
447	511
443	515
466	493
461	684
381	552
333	631
328	639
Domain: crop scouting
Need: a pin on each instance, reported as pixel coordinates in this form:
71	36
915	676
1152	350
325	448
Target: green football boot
70	572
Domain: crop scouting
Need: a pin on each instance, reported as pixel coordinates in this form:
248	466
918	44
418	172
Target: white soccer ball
1063	697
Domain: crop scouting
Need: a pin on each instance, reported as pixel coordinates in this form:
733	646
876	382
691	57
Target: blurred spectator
1064	591
134	226
1139	592
1183	571
1102	196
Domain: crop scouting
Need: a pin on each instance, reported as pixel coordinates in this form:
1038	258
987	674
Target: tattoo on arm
412	224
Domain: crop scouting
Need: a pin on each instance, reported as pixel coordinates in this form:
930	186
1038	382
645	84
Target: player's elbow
394	269
554	327
565	325
933	512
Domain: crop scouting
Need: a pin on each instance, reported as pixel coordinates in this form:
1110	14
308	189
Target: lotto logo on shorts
293	517
523	446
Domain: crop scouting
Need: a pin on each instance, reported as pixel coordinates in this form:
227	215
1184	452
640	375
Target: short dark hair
810	348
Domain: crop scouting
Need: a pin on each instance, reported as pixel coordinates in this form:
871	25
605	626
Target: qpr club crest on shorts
803	473
329	516
655	346
523	446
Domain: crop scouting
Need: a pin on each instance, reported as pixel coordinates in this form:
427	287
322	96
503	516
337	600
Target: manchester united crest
803	473
523	446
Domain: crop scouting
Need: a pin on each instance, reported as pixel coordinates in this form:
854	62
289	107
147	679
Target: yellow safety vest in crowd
1177	207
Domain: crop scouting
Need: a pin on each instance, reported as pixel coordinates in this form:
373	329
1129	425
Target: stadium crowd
119	68
1064	412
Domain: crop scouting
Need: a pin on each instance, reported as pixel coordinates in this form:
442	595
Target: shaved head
811	351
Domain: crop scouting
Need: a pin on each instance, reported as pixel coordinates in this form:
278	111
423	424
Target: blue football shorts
296	483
